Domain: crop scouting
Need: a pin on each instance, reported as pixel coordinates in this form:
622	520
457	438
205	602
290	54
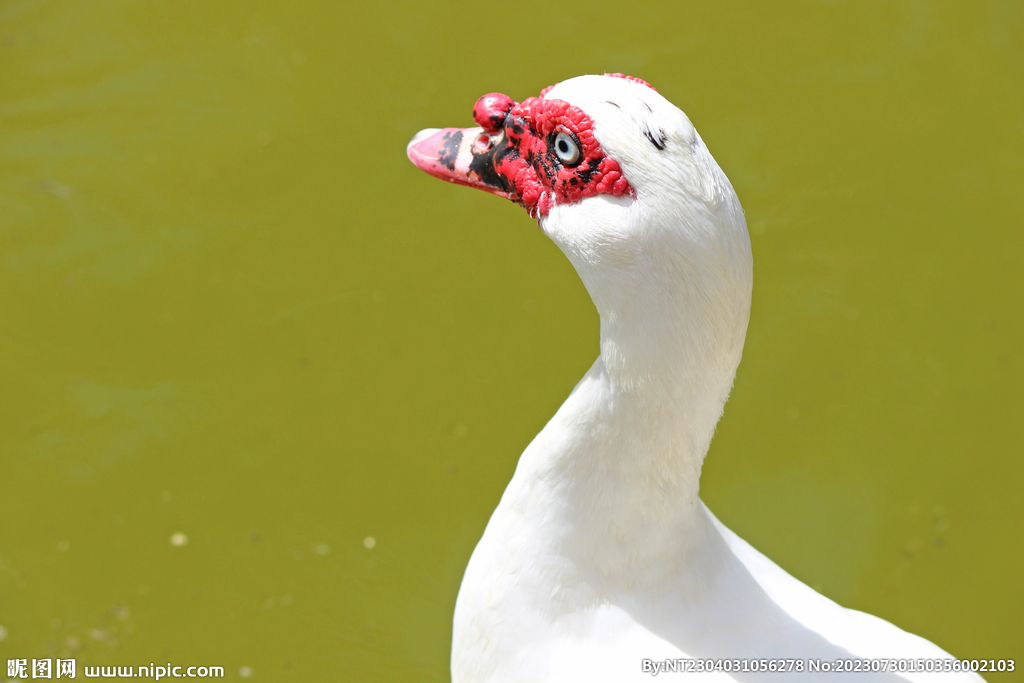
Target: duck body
561	590
601	563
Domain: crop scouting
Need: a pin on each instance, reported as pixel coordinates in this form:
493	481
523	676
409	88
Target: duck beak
464	156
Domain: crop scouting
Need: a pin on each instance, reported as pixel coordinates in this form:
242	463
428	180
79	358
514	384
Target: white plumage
600	553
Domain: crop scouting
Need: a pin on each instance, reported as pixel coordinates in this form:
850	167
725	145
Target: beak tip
447	153
417	156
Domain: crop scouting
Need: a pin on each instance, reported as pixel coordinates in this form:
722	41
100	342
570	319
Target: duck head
618	177
538	153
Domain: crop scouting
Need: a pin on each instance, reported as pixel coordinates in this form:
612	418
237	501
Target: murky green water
233	315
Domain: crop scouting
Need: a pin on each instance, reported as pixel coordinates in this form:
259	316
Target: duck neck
667	366
623	455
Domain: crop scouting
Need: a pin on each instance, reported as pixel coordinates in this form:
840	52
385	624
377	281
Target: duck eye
567	149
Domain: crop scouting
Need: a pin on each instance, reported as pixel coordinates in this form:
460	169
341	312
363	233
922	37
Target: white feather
600	553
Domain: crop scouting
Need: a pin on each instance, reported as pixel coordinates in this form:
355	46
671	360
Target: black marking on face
547	164
483	164
517	125
590	169
656	140
450	149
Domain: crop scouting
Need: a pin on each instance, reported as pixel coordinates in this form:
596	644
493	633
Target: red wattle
490	111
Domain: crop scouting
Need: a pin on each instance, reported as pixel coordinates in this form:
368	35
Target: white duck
601	563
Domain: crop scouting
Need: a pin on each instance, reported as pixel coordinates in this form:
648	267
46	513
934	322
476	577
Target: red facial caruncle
538	153
548	154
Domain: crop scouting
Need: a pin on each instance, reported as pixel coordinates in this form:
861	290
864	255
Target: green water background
231	309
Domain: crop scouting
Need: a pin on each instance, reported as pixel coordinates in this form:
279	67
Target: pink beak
464	156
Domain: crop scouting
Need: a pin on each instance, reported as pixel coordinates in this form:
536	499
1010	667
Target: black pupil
563	146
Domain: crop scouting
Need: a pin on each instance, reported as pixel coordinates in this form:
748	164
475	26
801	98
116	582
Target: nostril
482	142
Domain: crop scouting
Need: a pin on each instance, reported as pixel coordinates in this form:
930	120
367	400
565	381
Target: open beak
464	156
